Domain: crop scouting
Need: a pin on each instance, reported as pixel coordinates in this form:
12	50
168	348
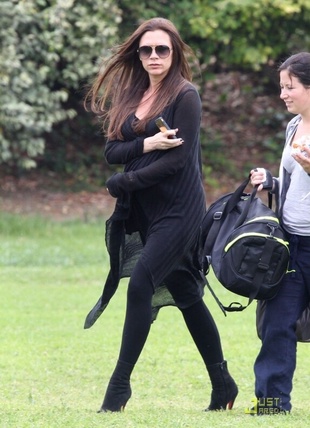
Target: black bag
245	245
302	325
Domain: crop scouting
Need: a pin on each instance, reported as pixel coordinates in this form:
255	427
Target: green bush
50	50
49	53
248	34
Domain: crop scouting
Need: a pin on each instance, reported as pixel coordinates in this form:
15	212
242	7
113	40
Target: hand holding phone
163	126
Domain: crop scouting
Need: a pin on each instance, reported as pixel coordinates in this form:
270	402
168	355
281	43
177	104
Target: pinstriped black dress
159	210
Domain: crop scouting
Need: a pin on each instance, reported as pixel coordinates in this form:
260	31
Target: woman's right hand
262	178
162	141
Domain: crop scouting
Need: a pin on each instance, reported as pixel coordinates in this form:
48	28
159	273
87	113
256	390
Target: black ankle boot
224	388
118	391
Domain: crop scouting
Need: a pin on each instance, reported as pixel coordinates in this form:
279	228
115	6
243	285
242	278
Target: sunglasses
162	51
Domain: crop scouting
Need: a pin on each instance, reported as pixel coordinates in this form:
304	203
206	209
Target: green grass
54	373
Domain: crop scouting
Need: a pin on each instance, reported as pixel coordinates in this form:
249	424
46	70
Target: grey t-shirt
296	209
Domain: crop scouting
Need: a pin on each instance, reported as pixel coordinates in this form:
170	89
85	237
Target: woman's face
294	94
156	66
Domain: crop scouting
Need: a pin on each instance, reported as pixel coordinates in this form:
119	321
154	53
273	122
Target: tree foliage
250	34
226	34
49	51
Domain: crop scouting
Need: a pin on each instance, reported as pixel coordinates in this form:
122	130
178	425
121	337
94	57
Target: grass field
54	373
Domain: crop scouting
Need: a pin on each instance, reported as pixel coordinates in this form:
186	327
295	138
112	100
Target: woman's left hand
303	159
162	141
113	185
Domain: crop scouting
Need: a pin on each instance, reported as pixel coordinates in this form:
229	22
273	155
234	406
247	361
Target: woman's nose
283	94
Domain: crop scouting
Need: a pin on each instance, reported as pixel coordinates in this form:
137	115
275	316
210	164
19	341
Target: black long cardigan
158	192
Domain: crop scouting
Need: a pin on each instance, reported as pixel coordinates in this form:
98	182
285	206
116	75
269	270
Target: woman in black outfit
153	233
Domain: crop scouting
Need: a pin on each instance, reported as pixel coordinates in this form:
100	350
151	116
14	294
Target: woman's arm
186	118
121	152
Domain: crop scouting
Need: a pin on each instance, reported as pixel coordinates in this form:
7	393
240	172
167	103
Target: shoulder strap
232	307
220	215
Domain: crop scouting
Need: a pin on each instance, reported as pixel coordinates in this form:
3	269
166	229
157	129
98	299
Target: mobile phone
163	126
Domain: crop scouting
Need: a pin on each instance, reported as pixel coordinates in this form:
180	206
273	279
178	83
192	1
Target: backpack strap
222	307
220	215
233	306
246	207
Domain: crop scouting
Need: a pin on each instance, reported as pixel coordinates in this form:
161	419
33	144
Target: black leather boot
224	388
119	390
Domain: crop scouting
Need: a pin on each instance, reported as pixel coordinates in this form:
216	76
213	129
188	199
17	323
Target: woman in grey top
275	364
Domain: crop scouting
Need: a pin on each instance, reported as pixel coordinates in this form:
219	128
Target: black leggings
138	318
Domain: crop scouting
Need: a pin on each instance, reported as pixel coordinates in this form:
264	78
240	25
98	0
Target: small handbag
302	326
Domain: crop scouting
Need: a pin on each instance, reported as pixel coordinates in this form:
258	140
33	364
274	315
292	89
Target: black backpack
244	243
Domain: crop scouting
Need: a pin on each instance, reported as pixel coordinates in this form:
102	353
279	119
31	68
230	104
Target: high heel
119	390
116	398
224	388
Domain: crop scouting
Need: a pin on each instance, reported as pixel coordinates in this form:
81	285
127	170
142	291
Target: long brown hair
122	80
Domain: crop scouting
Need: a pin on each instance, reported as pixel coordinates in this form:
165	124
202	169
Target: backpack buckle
263	266
217	215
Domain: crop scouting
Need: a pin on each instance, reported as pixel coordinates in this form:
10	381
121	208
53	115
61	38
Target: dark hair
298	65
122	80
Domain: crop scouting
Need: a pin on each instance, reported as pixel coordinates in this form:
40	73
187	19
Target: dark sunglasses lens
145	52
162	51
